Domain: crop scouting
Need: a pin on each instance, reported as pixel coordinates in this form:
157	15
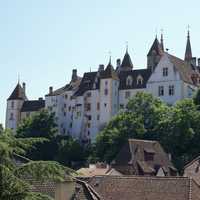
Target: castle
84	106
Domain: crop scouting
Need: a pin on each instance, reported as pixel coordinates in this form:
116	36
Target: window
89	117
12	104
161	91
98	106
171	90
105	104
89	125
66	96
65	105
148	156
165	71
106	82
129	81
127	94
11	116
121	106
139	80
89	94
88	107
106	91
64	113
69	108
98	117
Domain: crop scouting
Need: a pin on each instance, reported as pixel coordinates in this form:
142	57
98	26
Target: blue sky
43	40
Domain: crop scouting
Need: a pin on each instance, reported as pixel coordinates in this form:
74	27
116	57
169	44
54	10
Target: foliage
13	185
118	130
41	124
196	98
176	127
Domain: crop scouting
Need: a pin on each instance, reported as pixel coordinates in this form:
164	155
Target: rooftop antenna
188	31
109	57
156	32
18	78
126	46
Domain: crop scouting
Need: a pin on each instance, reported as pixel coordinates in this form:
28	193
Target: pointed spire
162	40
126	62
156	47
188	50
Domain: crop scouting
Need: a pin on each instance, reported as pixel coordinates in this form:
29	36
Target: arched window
129	81
139	80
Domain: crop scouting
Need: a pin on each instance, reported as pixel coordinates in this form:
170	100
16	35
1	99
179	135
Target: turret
127	64
14	105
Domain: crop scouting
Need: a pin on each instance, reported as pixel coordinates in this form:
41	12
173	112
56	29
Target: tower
155	53
109	84
14	105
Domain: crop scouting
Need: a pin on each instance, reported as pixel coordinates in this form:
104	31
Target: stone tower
14	105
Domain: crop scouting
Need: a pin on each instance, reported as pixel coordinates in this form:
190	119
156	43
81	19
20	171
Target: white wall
157	79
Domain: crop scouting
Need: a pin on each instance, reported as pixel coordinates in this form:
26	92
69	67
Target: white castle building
84	106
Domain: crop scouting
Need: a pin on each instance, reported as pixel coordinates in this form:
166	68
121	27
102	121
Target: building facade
84	106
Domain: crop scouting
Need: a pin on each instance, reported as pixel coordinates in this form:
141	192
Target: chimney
118	62
50	90
199	62
170	156
40	98
74	74
101	68
24	87
194	61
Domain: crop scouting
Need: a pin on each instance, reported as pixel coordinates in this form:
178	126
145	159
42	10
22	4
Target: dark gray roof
33	105
18	93
126	62
156	47
109	72
87	83
144	73
73	85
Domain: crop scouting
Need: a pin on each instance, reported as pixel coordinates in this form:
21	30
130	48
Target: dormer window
139	80
12	104
165	71
149	154
129	81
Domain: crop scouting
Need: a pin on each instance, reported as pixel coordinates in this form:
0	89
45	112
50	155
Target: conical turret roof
18	93
126	62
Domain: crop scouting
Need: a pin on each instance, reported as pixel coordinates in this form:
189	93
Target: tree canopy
176	127
13	185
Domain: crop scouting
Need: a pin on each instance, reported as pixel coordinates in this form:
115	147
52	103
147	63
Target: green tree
41	124
69	151
13	186
180	132
1	128
140	120
196	98
114	135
